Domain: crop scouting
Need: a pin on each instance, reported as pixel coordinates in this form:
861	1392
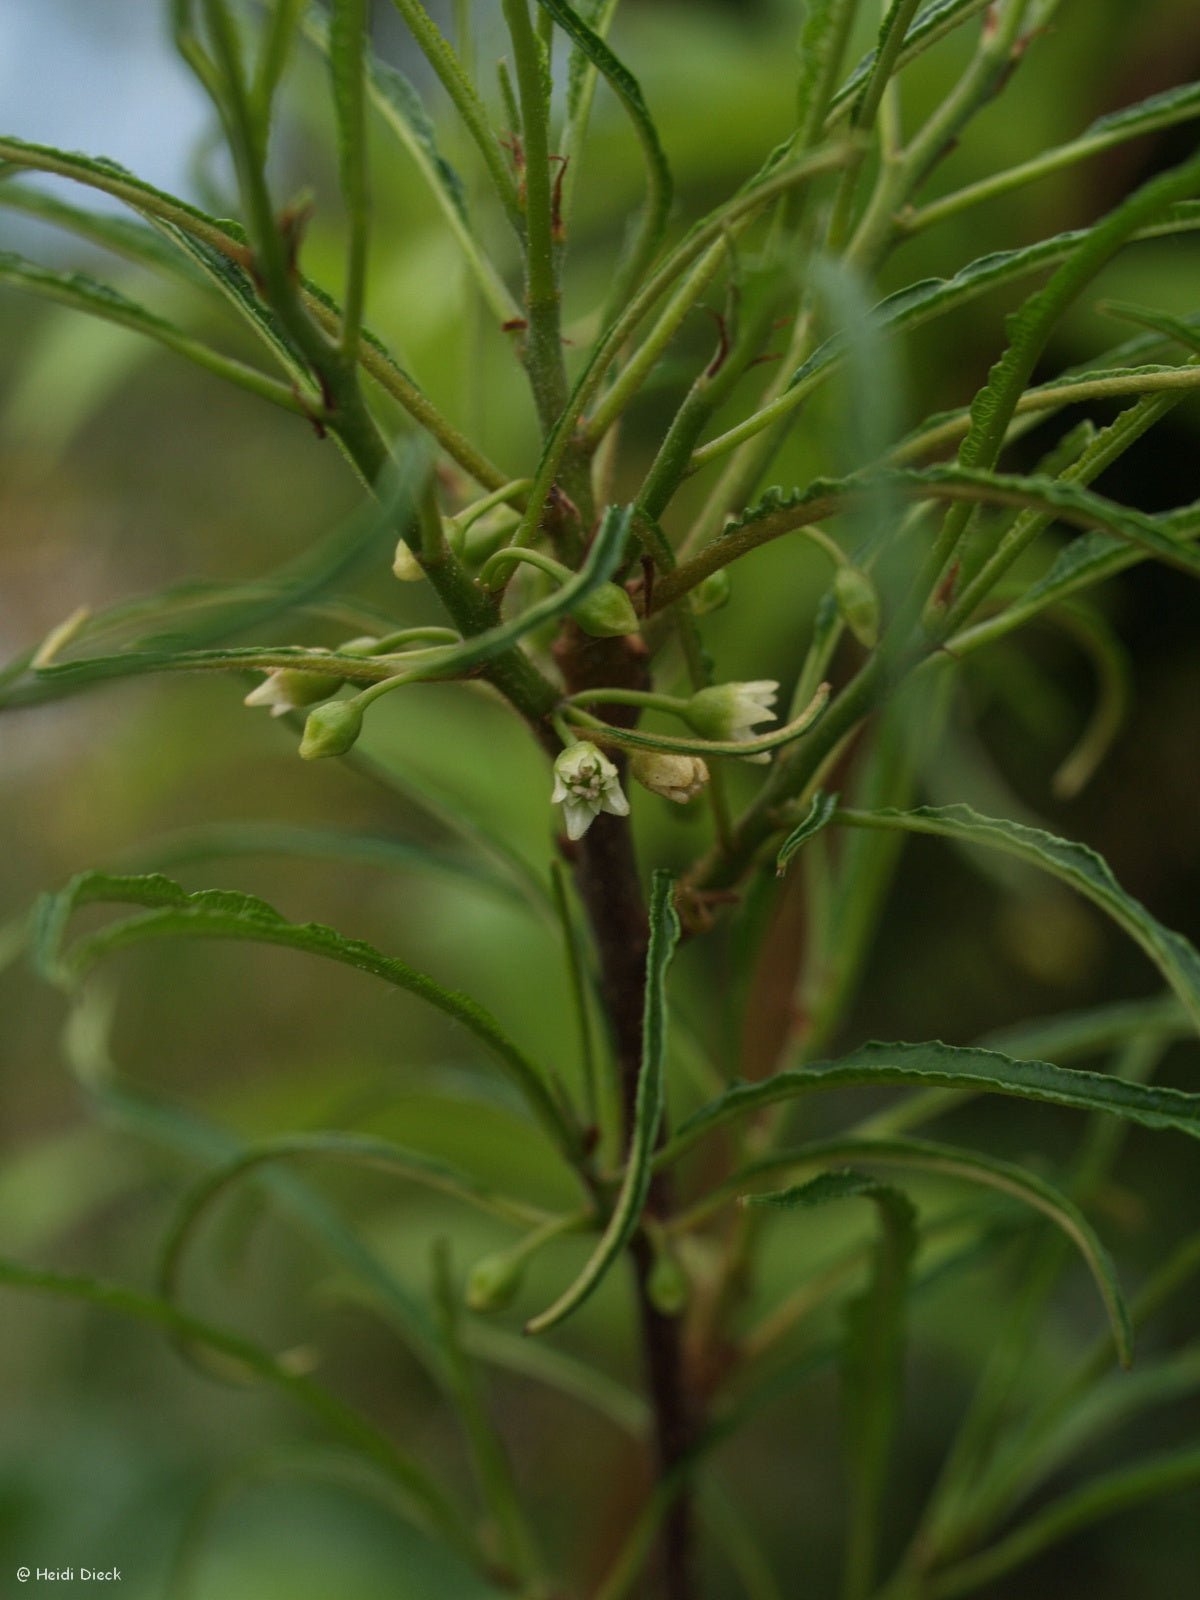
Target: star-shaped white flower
729	711
585	784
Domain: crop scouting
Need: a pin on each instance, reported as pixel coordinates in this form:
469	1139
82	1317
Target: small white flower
585	784
405	565
729	711
678	778
285	689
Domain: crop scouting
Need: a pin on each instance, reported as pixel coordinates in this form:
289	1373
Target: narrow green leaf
426	1497
278	36
236	658
598	15
1073	864
1103	1497
1166	110
579	978
185	1580
397	102
110	177
1093	1031
659	186
582	77
567	1375
1079	565
648	1113
229	839
823	37
1060	497
1040	401
756	1391
1114	699
1182	330
921	302
225	914
169	1126
220	249
819	815
83	293
439	663
1044	1443
517	1540
923	1155
918	303
445	62
133	240
224	609
1179	104
932	23
1071	1036
872	1355
356	1149
993	407
780	512
954	1066
899	24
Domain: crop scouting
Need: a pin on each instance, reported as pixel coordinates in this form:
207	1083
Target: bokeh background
122	470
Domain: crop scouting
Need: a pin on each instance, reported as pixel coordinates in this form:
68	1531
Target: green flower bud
331	729
858	604
713	592
606	613
493	1281
729	711
667	1287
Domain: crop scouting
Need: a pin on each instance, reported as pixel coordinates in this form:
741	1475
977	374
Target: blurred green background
122	470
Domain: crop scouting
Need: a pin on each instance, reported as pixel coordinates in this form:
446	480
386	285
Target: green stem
512	555
442	58
352	110
629	697
973	89
630	738
863	117
278	37
544	355
575	134
507	492
698	241
1041	166
1115	385
643	361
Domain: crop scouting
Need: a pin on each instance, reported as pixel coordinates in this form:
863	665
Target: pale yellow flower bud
676	777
